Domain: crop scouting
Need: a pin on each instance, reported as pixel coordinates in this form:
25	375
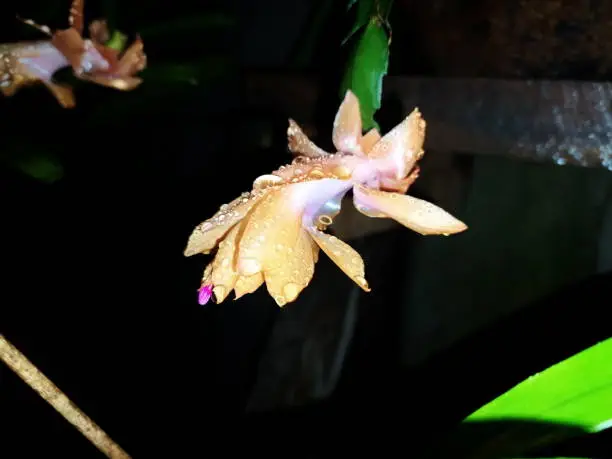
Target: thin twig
58	400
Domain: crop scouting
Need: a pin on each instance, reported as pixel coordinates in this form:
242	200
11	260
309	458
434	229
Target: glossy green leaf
366	69
367	9
577	391
568	400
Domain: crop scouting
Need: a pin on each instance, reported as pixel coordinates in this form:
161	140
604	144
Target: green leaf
568	400
576	391
43	168
367	9
366	69
117	41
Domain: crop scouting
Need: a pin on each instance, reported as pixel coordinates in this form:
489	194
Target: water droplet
266	181
224	207
325	220
249	266
280	300
279	247
342	172
291	291
316	174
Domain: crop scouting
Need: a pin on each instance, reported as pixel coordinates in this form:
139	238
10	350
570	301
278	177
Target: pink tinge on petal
204	294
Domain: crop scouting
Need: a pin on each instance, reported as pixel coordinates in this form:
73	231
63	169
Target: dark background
96	291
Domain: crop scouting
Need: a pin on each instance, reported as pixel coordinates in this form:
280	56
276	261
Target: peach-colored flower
91	59
273	233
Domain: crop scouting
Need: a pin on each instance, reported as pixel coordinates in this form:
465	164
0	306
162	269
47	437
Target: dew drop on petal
280	300
291	291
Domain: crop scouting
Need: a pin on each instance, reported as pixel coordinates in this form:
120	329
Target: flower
273	233
91	59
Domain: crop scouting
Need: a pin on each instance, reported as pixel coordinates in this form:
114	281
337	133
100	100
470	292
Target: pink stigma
204	294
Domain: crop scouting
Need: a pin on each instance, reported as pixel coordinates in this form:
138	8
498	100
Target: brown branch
58	400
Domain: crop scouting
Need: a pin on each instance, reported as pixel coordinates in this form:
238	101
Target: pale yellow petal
315	250
206	235
347	258
271	226
223	275
207	274
346	134
247	284
402	146
300	144
369	140
291	270
418	215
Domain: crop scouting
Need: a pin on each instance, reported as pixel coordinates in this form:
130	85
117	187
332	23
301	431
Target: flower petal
300	144
347	258
247	284
315	250
399	186
206	235
224	276
418	215
402	146
271	224
369	140
346	134
292	270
